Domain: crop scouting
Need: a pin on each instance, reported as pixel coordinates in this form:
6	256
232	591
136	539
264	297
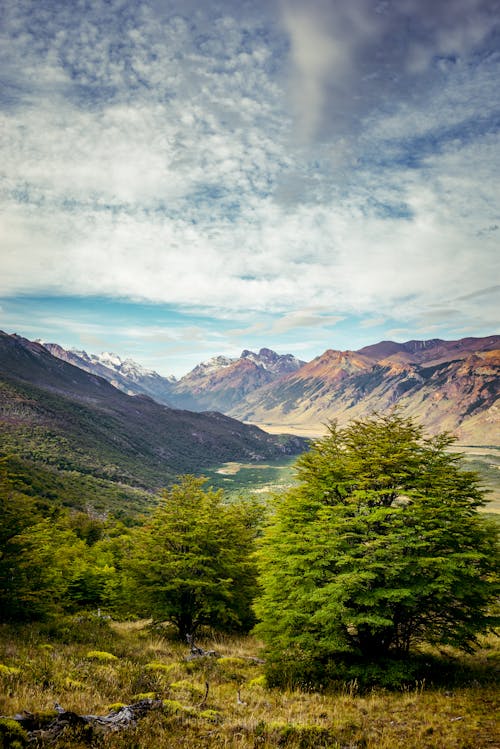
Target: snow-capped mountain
124	374
279	364
217	384
127	367
221	383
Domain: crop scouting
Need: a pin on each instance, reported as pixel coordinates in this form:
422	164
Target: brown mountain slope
222	383
434	350
450	385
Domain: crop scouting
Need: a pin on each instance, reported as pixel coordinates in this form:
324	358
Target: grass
486	461
253	478
46	664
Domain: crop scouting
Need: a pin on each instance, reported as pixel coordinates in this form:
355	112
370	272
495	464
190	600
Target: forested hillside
61	418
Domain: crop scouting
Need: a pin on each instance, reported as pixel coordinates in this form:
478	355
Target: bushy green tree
192	564
379	548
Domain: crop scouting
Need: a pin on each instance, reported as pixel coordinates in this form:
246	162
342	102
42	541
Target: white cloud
150	156
304	319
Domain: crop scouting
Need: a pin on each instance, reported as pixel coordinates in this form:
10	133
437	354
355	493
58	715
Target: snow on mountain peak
270	360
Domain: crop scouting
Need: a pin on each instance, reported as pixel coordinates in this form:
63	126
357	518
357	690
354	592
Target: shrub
12	735
101	655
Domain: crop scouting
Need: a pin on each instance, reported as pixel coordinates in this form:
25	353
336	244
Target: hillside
451	385
56	415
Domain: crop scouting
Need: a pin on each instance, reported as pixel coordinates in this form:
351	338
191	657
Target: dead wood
197	652
42	731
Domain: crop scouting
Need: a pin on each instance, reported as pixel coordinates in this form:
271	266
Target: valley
94	512
259	480
122	430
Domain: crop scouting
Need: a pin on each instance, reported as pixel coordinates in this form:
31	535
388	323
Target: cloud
148	154
304	319
490	290
350	59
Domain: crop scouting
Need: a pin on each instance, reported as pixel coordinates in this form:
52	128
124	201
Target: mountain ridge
217	384
56	414
452	385
447	384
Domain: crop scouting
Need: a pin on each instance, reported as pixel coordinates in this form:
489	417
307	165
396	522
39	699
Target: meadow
263	479
92	665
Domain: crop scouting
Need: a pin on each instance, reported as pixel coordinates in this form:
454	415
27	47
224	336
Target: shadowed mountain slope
62	416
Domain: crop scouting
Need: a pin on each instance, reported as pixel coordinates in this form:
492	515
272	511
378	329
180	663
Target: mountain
432	351
61	417
452	385
445	384
124	374
222	383
218	384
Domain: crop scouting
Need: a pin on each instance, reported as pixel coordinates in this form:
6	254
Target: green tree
44	566
193	563
379	548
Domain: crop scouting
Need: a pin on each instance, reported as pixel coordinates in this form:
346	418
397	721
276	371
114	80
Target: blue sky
185	179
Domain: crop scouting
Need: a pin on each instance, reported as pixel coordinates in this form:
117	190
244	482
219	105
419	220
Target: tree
45	567
193	563
379	548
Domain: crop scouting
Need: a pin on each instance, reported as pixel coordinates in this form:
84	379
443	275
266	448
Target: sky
183	179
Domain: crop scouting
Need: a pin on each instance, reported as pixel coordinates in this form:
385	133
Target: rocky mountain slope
218	384
59	415
222	383
451	385
124	374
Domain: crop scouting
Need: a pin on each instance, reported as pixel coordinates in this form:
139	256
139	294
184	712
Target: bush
101	656
12	736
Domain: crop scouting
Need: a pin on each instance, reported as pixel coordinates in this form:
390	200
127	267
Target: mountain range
218	384
452	385
59	417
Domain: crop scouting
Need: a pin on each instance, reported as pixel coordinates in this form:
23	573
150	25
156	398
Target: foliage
52	559
12	736
380	548
192	562
101	655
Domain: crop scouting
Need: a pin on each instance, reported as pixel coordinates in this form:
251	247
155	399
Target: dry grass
54	668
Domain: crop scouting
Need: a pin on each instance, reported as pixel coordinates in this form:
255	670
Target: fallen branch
46	732
197	652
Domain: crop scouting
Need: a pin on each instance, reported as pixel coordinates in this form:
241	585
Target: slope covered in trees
57	416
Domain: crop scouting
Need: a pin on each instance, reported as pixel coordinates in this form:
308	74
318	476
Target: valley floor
485	459
91	666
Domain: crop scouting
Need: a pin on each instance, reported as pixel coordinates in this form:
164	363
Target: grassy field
486	461
72	663
262	479
258	479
